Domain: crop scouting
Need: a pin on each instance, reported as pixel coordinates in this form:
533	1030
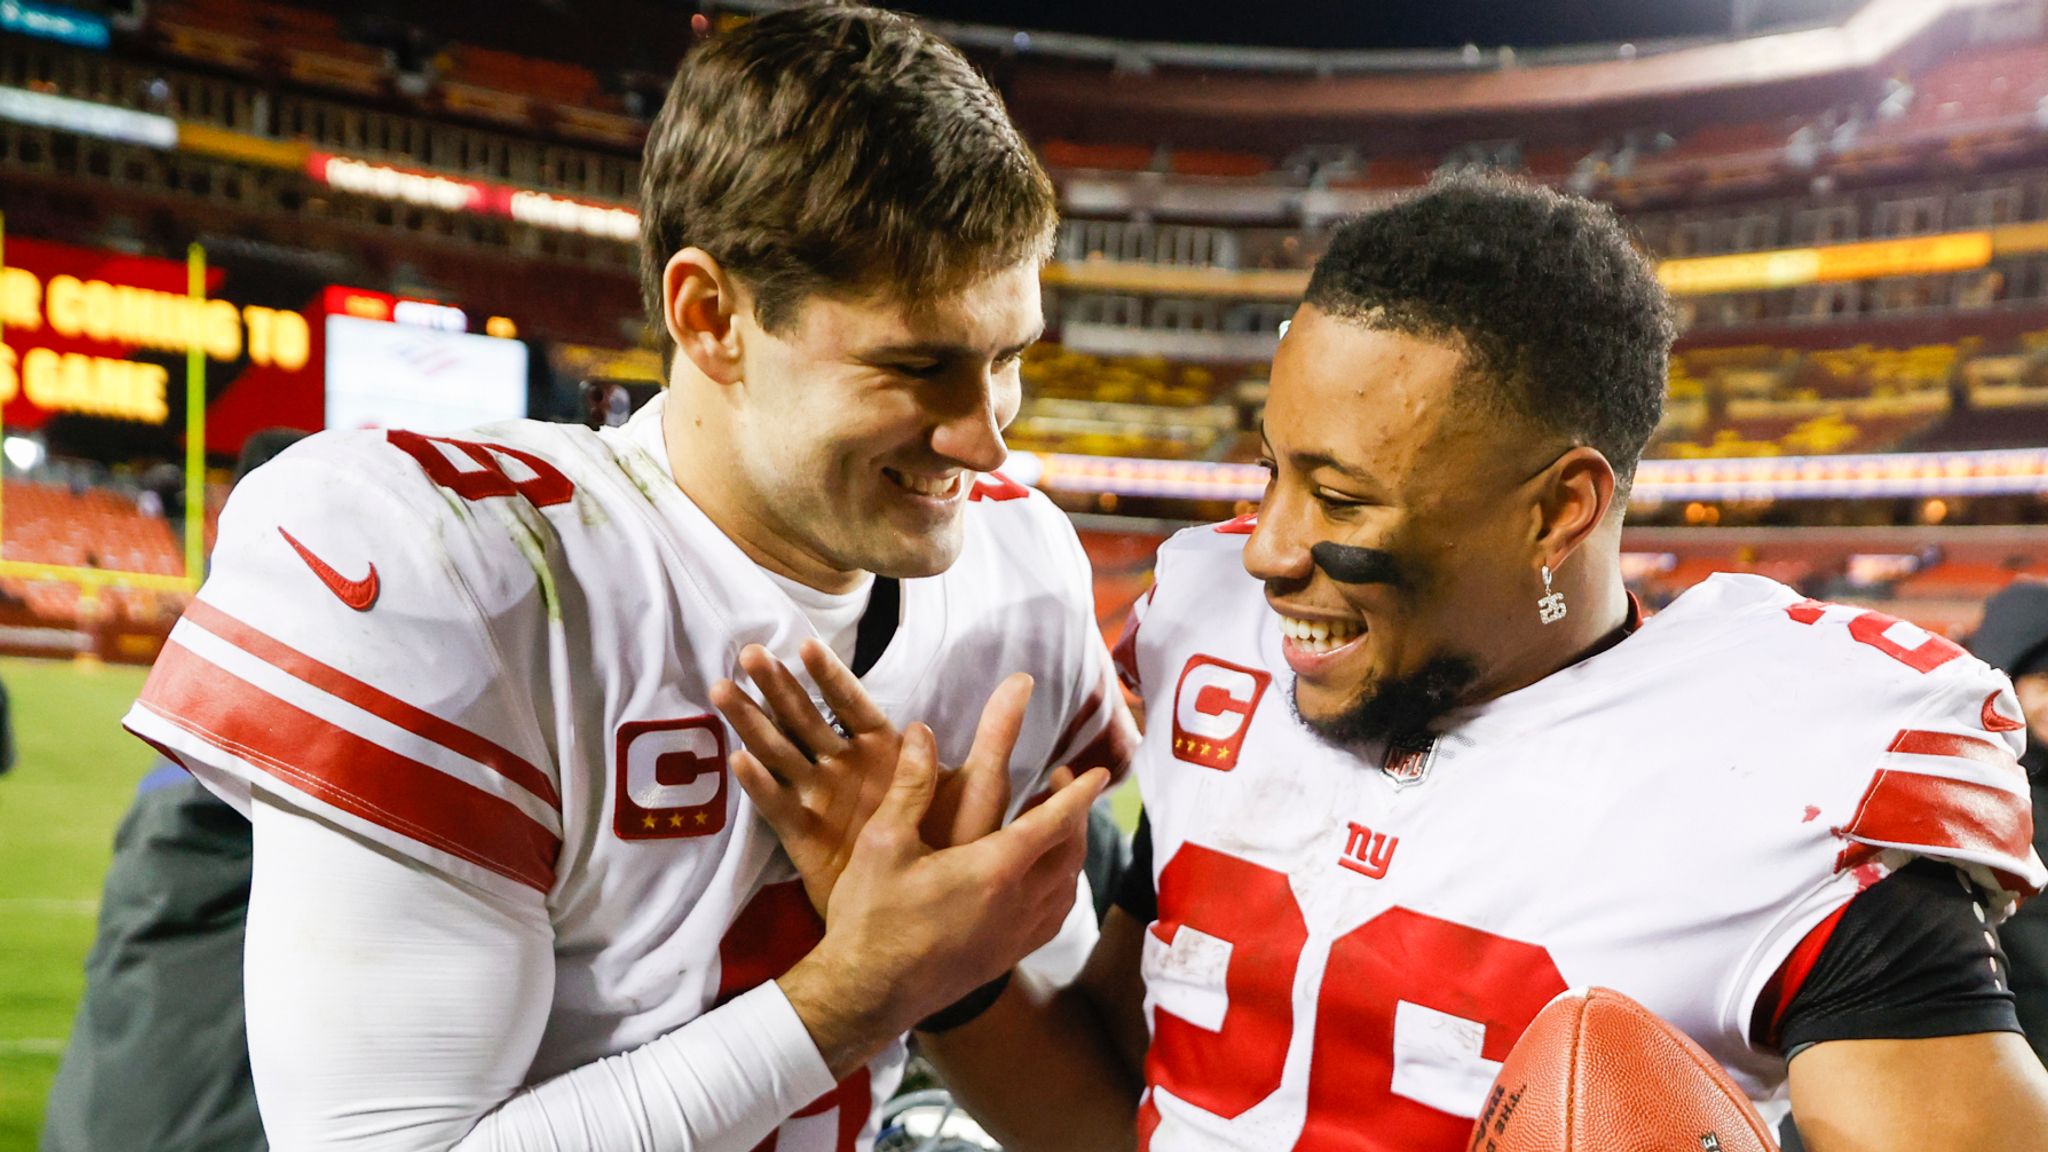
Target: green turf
1124	803
73	776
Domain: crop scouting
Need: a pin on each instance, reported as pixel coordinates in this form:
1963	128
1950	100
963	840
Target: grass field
73	776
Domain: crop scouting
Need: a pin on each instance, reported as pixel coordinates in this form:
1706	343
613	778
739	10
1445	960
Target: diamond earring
1551	608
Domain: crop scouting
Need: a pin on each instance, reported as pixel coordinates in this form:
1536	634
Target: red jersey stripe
1791	977
375	701
1125	654
1960	747
343	769
1113	746
1091	708
1113	749
1934	813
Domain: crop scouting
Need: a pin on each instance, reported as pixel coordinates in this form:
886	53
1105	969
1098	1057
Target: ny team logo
1212	708
670	779
1367	852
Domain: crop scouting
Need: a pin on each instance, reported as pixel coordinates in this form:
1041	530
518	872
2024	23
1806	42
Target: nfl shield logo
1408	760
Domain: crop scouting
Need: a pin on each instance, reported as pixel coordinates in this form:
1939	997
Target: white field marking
49	906
32	1046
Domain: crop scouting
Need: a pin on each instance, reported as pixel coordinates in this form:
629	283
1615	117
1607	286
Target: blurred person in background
2014	637
159	1057
6	732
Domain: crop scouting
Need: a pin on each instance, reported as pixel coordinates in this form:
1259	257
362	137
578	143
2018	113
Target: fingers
765	790
910	792
1059	821
781	758
1073	814
841	689
791	705
985	790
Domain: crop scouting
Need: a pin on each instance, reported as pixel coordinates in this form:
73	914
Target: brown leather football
1598	1072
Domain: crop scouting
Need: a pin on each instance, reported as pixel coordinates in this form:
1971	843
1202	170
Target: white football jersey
1344	953
493	655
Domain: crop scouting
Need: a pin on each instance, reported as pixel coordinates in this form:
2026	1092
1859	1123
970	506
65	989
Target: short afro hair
1556	310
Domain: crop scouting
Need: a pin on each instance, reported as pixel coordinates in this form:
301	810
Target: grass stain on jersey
456	504
536	554
638	468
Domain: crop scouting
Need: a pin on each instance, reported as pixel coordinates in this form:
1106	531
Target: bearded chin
1403	708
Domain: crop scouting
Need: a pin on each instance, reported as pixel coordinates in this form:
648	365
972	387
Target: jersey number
770	935
1872	629
489	478
1413	1014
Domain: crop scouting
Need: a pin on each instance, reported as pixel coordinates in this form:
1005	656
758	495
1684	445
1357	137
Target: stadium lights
1917	475
86	118
57	22
22	452
454	194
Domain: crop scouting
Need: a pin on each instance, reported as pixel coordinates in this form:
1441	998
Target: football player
1415	762
505	894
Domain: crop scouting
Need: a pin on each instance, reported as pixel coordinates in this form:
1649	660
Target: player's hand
817	784
910	929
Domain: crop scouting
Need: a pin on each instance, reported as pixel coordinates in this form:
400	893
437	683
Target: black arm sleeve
1912	957
1135	895
1109	856
2025	938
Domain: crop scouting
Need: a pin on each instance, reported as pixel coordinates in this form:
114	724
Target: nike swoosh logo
1996	721
357	594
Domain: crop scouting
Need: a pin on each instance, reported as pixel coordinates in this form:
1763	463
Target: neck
696	428
1593	580
1598	615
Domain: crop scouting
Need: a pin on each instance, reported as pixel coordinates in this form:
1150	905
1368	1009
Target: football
1598	1072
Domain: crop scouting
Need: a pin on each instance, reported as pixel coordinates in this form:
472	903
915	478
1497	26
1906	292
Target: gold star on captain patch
702	818
1205	749
647	822
676	821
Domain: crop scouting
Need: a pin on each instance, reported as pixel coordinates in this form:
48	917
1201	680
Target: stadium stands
1900	572
1724	401
1194	252
91	528
1123	571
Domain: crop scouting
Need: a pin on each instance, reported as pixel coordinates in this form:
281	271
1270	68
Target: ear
698	301
1574	500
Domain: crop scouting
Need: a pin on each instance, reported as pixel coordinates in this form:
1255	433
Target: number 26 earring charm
1551	608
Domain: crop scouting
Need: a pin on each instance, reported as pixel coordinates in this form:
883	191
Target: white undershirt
834	615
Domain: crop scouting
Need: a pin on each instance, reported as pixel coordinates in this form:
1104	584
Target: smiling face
1397	528
858	427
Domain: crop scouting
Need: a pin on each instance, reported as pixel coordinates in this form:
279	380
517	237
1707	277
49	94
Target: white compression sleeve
392	1009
